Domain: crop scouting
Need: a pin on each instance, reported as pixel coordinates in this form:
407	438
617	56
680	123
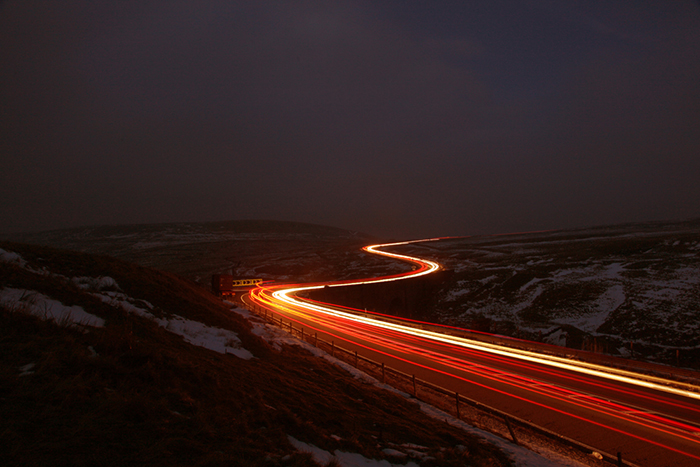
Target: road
652	422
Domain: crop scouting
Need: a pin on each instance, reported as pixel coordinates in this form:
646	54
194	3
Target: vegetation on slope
132	392
629	290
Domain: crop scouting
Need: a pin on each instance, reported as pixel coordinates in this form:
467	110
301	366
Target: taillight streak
342	319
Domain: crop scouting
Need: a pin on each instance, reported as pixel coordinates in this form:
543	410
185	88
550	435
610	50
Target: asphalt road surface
652	423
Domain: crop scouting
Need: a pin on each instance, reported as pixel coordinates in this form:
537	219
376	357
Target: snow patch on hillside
11	258
41	306
603	306
530	283
108	291
95	283
193	332
644	285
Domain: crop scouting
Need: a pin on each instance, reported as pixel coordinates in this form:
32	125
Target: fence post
302	333
457	399
383	374
316	340
332	348
414	387
291	329
356	359
512	433
619	459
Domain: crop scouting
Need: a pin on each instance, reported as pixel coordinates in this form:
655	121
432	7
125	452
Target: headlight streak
284	297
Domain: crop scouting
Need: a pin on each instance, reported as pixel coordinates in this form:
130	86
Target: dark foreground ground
134	392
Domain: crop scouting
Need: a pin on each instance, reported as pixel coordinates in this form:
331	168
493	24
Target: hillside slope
136	366
627	290
272	250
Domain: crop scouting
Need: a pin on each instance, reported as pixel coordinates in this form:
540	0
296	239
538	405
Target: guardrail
680	377
451	402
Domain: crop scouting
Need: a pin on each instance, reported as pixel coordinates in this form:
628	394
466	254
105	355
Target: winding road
650	421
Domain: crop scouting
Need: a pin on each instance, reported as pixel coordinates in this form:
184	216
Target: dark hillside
629	290
272	250
135	392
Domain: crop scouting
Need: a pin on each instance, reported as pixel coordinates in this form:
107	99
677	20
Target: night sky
396	118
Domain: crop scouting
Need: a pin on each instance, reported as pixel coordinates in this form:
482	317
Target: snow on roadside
344	459
270	334
39	305
202	335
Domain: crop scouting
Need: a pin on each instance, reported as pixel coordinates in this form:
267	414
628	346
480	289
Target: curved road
651	422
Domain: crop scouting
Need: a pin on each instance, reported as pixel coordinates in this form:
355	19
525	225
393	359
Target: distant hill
272	250
103	362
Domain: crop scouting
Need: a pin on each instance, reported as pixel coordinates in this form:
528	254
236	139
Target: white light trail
427	267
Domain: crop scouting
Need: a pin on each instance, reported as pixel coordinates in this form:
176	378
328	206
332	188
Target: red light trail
608	405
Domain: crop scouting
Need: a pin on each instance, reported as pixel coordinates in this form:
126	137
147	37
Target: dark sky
396	118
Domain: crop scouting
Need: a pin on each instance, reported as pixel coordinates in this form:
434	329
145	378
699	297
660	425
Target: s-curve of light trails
650	420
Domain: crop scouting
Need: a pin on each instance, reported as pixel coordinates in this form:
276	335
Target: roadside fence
489	418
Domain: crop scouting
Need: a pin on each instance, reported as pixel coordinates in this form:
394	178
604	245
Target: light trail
617	411
286	295
376	334
410	340
372	333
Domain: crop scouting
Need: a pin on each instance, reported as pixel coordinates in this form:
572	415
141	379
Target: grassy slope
150	398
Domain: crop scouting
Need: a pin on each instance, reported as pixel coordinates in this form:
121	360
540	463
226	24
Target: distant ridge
265	249
239	226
